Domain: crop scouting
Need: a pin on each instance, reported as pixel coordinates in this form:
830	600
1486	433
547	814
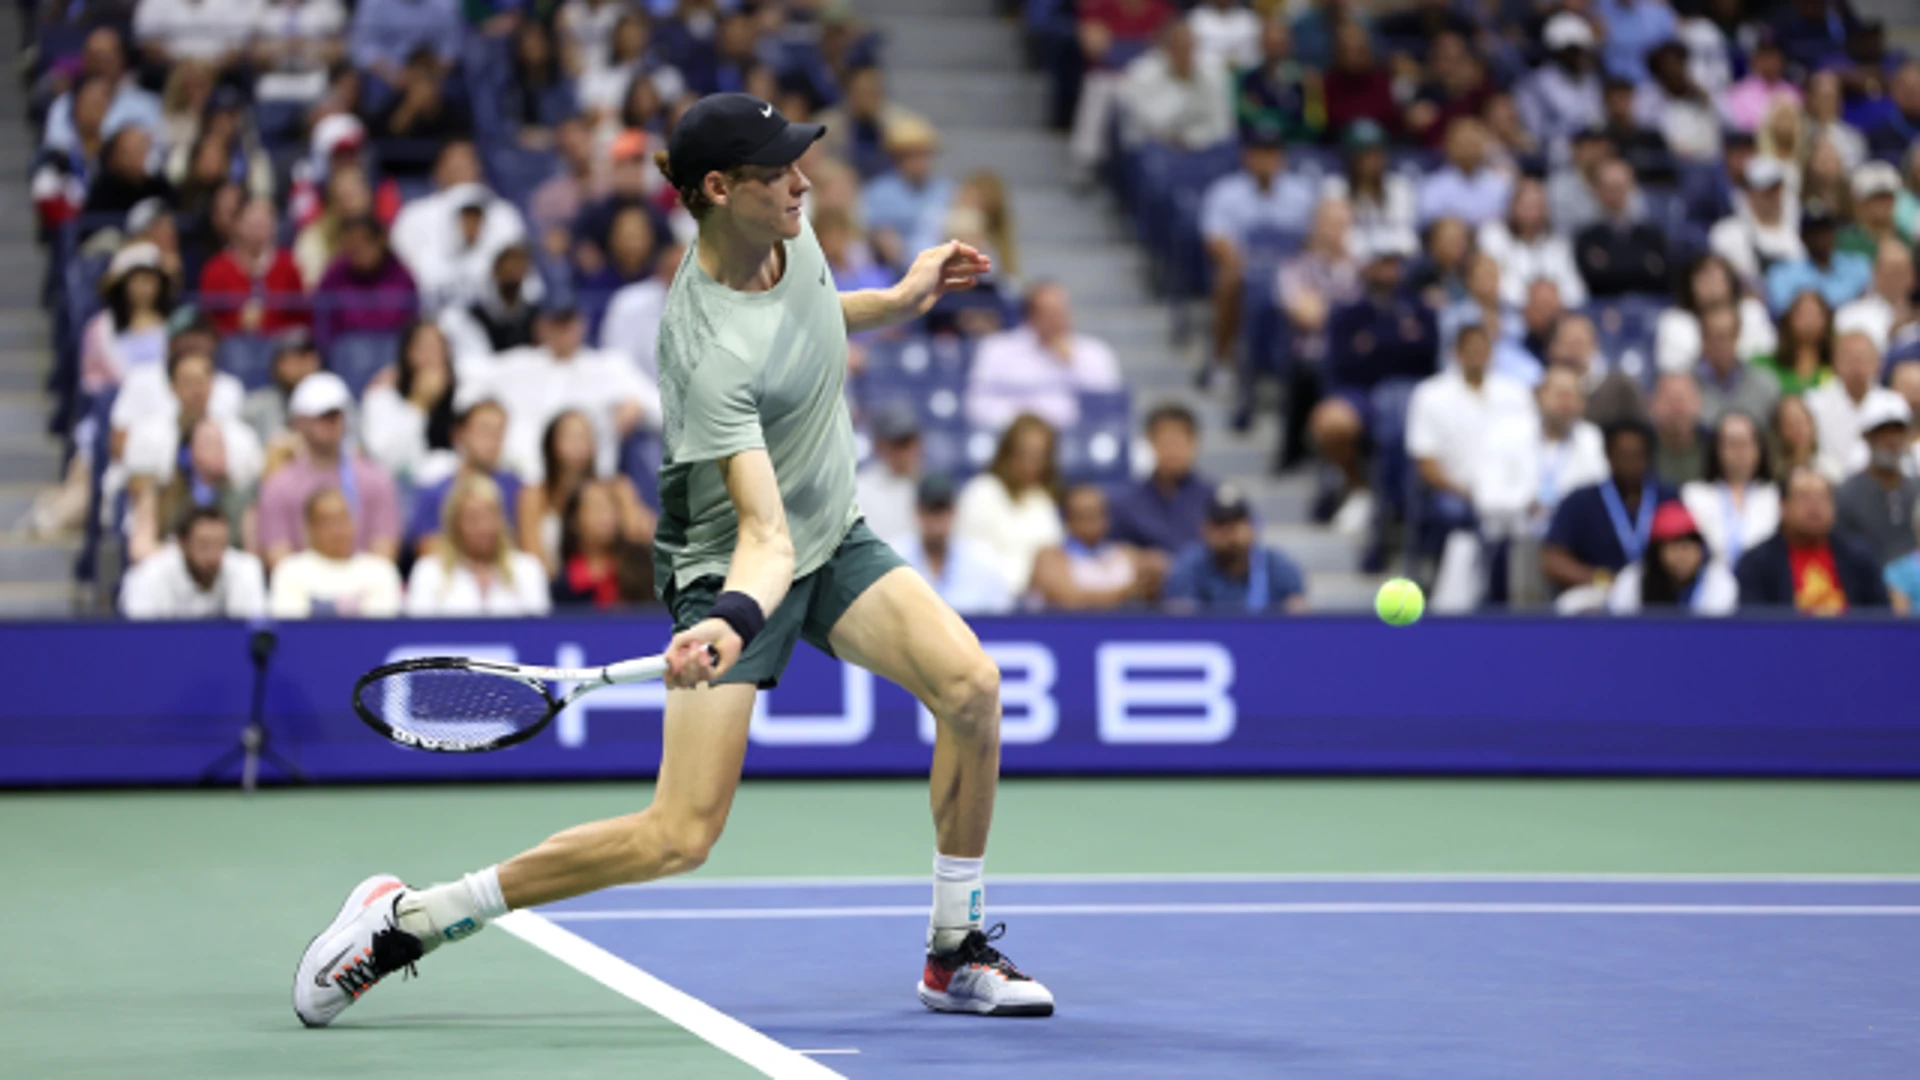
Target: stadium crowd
1604	302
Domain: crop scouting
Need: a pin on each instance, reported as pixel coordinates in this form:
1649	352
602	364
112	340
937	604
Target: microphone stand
253	746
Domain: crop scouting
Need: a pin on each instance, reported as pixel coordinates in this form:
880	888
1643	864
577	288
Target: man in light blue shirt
906	208
964	575
1633	28
104	57
1468	188
1838	276
386	32
1259	197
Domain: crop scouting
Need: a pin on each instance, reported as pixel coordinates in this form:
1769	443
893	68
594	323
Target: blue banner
124	703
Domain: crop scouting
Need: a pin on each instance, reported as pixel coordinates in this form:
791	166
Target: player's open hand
701	653
951	267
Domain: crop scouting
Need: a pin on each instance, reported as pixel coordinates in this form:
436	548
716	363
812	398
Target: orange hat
629	144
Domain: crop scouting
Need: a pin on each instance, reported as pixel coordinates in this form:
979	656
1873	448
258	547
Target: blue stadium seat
247	357
1096	450
357	358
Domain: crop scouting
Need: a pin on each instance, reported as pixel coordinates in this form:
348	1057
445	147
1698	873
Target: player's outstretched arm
951	267
762	569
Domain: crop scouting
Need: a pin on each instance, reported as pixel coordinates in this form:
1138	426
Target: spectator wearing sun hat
905	206
1676	572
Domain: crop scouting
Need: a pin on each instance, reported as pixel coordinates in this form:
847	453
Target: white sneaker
976	978
362	946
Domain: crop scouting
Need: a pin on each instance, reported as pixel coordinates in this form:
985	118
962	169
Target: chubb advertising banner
110	703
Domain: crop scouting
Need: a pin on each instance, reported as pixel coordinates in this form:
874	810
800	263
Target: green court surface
155	934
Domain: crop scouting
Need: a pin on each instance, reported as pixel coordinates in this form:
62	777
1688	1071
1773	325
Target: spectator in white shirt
1707	284
1469	188
884	487
409	409
205	478
1838	405
216	31
1888	305
1012	509
198	577
477	570
294	43
329	578
1261	195
962	570
561	374
1764	227
1381	199
500	316
1526	249
1227	31
1532	464
153	445
1562	96
449	239
1175	95
1040	367
1672	104
1736	506
632	323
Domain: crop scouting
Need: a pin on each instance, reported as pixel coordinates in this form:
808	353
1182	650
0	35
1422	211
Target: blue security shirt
1197	583
1584	526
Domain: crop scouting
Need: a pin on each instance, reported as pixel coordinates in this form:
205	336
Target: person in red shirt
253	287
1358	86
1806	565
598	566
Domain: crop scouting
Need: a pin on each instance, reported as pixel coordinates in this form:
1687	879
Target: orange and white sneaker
363	945
976	978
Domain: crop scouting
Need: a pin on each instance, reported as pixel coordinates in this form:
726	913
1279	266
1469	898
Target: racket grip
641	670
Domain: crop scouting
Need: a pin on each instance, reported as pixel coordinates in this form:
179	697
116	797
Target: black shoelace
392	950
978	948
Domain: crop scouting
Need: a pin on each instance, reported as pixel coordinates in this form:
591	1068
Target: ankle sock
959	901
454	910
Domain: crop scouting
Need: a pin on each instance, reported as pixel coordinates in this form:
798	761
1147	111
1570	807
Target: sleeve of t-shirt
247	595
1564	529
381	503
719	411
1423	427
279	524
1284	581
288	596
1216	213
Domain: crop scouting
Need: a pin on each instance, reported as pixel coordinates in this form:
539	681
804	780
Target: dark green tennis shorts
812	607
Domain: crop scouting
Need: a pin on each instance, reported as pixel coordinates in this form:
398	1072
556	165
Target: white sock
453	910
959	901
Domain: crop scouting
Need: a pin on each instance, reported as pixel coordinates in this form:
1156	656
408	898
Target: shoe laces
977	948
391	950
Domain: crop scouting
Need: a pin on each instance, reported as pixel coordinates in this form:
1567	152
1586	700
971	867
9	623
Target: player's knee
683	841
969	701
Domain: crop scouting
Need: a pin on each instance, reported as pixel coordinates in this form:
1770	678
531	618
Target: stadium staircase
36	575
962	67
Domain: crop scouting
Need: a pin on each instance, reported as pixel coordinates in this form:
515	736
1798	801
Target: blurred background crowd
1597	305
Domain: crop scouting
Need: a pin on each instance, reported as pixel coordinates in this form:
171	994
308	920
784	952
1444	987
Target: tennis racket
460	705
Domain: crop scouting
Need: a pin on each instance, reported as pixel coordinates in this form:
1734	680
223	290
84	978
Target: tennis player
760	545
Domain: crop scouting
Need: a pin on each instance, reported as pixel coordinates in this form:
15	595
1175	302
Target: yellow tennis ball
1400	602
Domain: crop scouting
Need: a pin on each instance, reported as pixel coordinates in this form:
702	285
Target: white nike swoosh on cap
768	111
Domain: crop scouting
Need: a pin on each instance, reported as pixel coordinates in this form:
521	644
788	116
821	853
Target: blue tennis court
1317	976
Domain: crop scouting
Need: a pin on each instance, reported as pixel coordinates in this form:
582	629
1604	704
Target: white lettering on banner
853	725
1206	700
570	727
1027	674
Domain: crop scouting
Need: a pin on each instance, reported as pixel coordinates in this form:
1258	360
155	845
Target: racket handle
646	668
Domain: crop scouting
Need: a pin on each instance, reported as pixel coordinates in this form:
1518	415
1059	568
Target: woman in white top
1736	508
1526	248
567	452
1675	575
408	414
1012	509
1089	571
1381	200
1824	122
1709	282
477	571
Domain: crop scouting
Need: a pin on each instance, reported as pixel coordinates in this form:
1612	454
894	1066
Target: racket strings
456	706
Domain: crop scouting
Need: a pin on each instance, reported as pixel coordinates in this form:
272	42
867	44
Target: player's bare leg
384	926
901	630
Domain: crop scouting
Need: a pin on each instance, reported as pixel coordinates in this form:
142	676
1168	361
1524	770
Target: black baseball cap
936	492
1228	505
722	131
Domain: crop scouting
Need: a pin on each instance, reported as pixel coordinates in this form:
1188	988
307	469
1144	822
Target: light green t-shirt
743	371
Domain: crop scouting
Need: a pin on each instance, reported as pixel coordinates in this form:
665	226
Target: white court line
703	1020
1437	878
1414	908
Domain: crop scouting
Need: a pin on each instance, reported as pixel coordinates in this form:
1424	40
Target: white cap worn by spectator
319	394
1567	31
139	255
1765	172
1875	178
1881	410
